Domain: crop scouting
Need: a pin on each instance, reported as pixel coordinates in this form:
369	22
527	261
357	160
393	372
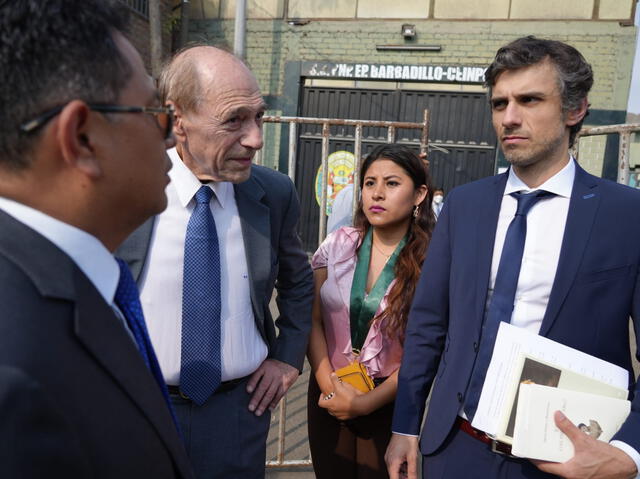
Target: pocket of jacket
603	275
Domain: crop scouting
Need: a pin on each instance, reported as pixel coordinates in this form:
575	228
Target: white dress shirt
243	348
545	229
91	256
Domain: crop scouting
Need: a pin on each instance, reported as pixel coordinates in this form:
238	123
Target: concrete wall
422	9
275	44
138	32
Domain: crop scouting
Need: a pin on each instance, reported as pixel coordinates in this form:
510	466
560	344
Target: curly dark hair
52	52
575	77
409	263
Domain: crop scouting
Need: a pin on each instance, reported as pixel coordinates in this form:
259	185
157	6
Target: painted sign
341	164
396	72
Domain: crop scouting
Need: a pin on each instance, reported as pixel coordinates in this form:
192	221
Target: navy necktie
128	301
201	364
504	293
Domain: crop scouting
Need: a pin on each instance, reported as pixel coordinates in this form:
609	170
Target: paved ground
296	446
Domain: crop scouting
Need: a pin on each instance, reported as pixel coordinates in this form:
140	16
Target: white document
513	342
536	435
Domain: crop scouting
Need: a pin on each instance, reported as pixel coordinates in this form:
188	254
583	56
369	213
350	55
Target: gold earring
416	211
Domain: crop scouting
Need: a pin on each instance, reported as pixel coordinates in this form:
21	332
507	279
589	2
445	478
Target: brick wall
138	32
608	46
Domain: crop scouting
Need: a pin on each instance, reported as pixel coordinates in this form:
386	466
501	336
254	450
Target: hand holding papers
536	435
522	357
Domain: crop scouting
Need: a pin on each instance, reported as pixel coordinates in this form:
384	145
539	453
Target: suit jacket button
459	397
475	347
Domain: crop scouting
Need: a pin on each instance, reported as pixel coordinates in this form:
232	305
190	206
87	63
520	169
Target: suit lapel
485	229
256	234
583	206
101	332
95	325
134	250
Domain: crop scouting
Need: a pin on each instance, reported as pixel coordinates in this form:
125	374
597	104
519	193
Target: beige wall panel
204	9
552	9
320	82
393	9
616	9
471	9
322	8
255	8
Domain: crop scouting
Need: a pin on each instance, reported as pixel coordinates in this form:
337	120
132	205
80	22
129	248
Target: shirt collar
560	184
91	256
187	184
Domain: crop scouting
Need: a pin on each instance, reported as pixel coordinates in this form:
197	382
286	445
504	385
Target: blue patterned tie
504	293
201	369
128	300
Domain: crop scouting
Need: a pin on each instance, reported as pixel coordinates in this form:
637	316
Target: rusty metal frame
293	122
624	131
327	123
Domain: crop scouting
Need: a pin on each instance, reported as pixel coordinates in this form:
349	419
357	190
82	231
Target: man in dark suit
77	176
207	306
575	280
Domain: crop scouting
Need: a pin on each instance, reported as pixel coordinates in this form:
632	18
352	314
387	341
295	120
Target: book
505	370
535	433
532	370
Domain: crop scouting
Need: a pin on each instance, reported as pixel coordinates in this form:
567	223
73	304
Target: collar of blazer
582	211
255	221
95	324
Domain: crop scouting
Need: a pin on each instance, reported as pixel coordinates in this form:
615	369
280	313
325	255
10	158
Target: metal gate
461	138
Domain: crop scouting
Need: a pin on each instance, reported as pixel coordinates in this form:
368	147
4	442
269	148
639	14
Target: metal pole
424	138
184	22
293	145
155	37
623	157
391	134
240	29
281	429
322	227
356	171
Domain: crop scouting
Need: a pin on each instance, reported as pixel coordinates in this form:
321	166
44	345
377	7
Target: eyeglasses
164	116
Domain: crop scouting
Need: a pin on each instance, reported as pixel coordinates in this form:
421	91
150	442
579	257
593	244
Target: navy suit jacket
269	211
594	293
76	399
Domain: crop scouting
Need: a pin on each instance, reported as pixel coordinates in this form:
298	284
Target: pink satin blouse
379	354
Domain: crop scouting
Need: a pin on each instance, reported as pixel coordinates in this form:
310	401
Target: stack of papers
530	377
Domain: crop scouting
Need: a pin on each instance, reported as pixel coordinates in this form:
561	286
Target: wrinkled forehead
231	84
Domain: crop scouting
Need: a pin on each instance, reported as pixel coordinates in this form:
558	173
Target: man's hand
402	457
592	458
270	382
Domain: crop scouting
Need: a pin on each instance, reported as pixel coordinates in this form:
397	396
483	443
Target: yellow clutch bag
356	375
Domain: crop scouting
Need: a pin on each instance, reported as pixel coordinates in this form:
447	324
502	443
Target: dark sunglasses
164	116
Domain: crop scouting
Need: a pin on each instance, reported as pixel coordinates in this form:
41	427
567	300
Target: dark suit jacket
76	399
594	293
269	210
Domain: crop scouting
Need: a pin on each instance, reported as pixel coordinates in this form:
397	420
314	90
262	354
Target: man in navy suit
218	129
577	282
82	164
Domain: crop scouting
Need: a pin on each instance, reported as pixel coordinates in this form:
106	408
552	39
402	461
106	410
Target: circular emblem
341	164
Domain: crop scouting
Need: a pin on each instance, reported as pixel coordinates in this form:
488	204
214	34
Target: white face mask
437	199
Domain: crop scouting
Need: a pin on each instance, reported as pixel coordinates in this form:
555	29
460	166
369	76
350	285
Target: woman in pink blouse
365	278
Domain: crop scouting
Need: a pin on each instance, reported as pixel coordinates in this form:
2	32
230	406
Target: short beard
520	159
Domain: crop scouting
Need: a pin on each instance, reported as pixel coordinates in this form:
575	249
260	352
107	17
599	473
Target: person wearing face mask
438	201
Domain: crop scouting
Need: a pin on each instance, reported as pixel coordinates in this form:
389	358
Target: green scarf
362	308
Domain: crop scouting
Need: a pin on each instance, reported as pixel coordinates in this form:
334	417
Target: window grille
138	6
